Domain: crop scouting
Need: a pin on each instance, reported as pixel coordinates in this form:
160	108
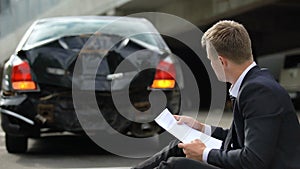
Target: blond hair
230	39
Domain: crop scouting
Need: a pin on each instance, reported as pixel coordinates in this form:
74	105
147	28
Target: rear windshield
53	29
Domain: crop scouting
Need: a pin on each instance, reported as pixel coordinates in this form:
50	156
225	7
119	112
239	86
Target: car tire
16	144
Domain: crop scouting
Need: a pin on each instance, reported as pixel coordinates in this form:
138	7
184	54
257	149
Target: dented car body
60	56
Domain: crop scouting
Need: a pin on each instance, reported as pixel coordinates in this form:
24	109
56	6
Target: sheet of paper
183	132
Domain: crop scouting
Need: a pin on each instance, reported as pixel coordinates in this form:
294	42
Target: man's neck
237	70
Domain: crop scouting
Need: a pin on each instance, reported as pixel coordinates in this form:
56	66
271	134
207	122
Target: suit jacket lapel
229	138
238	117
238	138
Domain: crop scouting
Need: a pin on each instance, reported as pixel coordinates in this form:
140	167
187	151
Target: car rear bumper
26	115
16	127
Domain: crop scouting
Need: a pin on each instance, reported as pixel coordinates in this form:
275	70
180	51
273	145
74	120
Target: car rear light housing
21	77
165	75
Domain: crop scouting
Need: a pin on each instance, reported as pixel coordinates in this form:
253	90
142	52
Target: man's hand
190	122
193	150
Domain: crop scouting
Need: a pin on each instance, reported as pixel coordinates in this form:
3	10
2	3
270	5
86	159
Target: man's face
216	63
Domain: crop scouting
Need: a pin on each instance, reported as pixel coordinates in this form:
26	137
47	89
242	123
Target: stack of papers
185	133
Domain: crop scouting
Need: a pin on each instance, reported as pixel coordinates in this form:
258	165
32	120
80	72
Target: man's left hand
193	150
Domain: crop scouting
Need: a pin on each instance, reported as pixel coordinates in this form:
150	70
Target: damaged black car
119	61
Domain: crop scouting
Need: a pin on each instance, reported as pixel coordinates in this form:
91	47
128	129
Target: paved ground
73	152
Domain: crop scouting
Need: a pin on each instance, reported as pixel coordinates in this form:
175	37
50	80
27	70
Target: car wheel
16	144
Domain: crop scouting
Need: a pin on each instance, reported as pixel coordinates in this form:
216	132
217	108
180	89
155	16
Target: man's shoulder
259	77
261	81
261	84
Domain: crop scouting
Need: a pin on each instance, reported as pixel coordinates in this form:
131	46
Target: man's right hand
190	122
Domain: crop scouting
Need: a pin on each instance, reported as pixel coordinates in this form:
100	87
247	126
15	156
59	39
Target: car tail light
165	75
21	77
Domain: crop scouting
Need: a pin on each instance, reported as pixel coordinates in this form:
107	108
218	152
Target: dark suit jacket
265	132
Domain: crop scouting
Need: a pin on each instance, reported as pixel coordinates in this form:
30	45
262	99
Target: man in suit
265	132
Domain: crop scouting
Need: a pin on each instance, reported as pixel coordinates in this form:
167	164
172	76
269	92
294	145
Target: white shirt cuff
205	154
207	129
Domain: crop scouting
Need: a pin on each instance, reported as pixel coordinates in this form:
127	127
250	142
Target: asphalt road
69	151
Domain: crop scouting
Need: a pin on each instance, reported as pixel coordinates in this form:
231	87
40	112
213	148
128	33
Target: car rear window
53	29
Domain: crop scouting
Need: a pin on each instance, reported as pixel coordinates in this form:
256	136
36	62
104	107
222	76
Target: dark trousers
172	157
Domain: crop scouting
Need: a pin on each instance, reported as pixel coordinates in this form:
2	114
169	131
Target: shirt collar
234	89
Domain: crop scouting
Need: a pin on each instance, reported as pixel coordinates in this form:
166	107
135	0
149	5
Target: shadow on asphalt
64	145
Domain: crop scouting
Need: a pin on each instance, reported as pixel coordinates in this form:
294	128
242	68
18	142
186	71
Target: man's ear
223	60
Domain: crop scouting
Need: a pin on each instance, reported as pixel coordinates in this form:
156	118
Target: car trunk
97	59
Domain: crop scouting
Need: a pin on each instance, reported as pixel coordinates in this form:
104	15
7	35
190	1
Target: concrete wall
17	16
199	12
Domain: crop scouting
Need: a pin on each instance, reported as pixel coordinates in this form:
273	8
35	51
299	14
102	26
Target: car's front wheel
16	144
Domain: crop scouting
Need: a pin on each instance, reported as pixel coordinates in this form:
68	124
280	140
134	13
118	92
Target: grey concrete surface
73	152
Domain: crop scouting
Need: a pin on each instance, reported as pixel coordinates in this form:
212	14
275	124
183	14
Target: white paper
183	132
